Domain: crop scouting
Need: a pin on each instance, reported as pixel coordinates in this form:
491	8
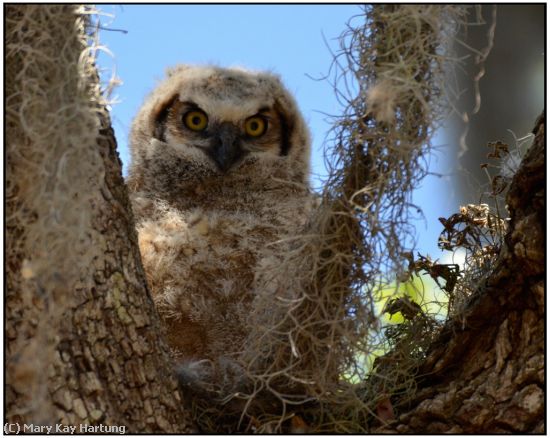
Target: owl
219	175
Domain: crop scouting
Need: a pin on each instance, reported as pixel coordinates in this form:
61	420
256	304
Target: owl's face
225	132
209	121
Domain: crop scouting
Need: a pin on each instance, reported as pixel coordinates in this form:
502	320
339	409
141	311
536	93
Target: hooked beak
225	148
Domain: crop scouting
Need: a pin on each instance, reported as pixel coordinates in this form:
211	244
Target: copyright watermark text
17	428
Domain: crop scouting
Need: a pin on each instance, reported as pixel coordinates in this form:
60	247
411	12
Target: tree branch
485	373
84	344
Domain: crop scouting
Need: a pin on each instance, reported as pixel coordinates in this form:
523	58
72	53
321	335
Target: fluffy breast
201	264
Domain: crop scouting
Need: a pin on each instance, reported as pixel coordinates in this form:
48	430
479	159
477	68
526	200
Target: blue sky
286	39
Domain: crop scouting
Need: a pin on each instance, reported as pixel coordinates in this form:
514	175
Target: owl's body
219	175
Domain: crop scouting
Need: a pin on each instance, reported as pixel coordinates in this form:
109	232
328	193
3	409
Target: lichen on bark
83	341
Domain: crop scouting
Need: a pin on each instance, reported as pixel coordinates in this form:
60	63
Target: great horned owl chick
219	172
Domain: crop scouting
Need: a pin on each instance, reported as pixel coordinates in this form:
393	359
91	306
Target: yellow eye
195	120
255	126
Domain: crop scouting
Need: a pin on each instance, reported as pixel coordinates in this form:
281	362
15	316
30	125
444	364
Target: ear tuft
171	71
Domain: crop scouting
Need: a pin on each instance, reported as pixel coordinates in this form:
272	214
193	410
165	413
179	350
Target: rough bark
485	374
111	360
88	347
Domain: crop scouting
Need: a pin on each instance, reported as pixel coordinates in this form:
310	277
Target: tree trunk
84	342
485	374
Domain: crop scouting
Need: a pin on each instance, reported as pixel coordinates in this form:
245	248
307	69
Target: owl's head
212	122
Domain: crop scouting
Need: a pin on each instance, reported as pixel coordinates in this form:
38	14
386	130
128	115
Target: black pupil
196	120
254	126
